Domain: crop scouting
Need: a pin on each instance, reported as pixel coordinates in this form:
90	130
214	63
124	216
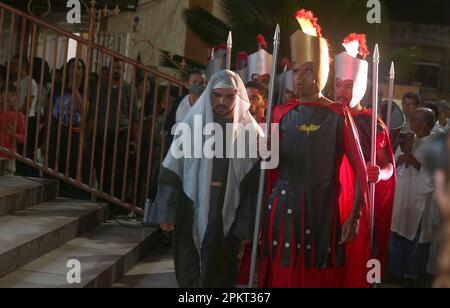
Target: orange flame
356	44
308	23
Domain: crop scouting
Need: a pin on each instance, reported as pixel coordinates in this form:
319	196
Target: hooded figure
349	68
209	200
241	65
217	60
260	63
285	83
350	87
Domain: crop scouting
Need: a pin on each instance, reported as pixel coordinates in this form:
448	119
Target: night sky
425	11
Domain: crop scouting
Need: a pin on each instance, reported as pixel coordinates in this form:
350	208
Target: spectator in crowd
112	114
412	220
93	81
258	103
148	94
434	106
66	124
27	86
181	106
26	102
196	86
12	128
58	76
42	69
443	122
410	103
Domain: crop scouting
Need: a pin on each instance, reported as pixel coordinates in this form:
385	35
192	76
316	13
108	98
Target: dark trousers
70	160
21	168
219	266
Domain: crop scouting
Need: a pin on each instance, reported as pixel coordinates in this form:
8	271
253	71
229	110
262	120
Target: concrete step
157	270
105	254
19	193
26	235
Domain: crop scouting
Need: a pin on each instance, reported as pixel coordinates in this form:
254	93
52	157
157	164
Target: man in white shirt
433	105
25	84
196	86
414	206
410	103
443	123
27	104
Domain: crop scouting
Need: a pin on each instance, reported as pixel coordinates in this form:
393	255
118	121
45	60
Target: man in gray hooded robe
210	202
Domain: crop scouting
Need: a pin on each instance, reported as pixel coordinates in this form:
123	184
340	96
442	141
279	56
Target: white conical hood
348	67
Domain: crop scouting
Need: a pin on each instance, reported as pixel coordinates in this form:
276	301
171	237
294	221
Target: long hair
37	68
72	61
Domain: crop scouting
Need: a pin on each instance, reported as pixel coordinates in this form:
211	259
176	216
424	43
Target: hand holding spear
276	47
373	153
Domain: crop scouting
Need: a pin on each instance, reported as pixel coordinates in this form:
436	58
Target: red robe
384	190
272	274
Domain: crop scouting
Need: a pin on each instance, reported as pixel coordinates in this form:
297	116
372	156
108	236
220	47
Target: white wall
160	23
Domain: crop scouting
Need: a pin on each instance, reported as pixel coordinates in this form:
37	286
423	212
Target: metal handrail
93	44
106	193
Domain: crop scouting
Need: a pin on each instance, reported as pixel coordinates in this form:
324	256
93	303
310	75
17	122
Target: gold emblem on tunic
308	129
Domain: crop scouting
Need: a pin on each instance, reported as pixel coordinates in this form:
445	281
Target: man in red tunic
350	87
303	236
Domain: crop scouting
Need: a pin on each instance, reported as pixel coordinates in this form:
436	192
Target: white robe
196	173
183	109
439	129
414	202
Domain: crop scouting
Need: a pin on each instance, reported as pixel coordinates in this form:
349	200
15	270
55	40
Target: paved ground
155	271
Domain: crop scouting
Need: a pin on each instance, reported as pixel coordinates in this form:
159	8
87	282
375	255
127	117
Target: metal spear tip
230	39
276	37
392	71
376	53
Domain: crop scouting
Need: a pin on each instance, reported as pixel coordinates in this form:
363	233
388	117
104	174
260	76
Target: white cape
195	173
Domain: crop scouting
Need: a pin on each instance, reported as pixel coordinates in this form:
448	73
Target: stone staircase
157	270
40	233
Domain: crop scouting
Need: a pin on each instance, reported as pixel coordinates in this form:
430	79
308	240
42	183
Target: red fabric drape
272	274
